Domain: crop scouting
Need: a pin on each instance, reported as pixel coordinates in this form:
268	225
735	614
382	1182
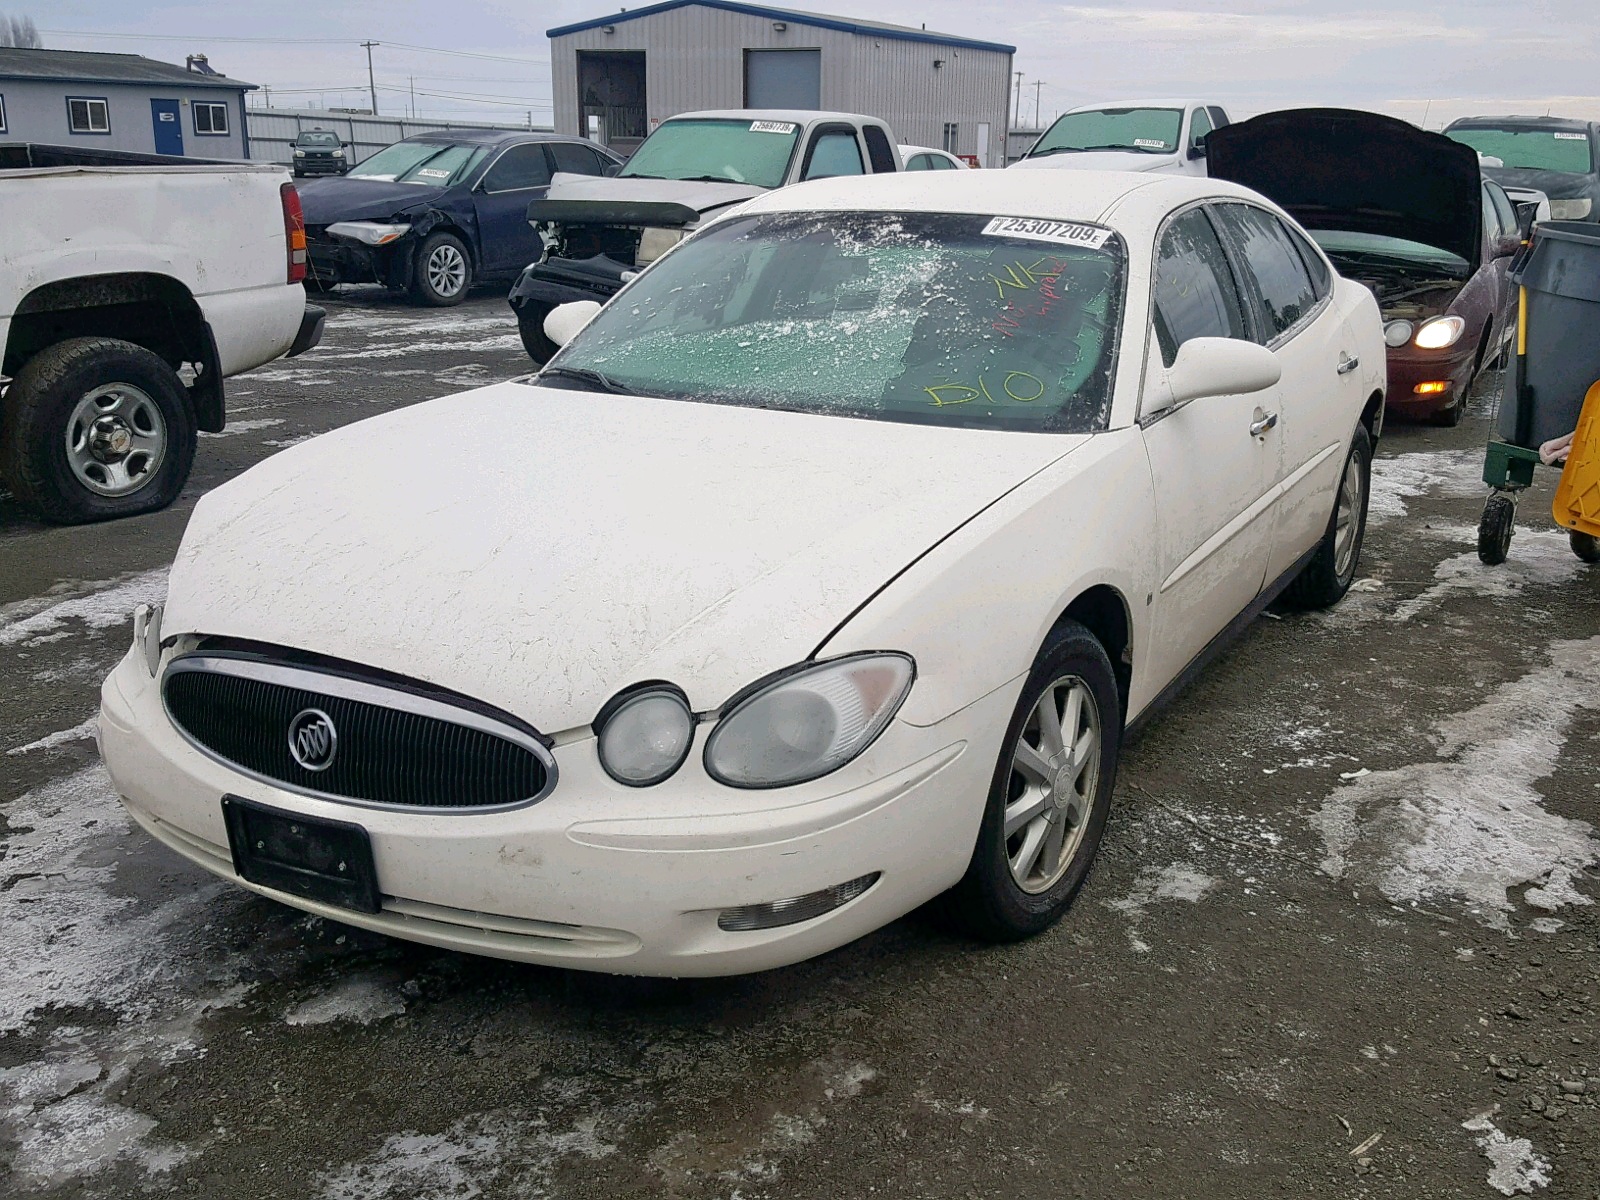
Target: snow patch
107	604
1514	1166
251	426
1179	881
362	1001
1472	825
51	740
1457	474
1538	557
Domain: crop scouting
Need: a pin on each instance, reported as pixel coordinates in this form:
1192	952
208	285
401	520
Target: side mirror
1197	148
1212	366
611	170
563	321
1507	245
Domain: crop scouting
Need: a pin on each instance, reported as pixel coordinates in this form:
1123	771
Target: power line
266	41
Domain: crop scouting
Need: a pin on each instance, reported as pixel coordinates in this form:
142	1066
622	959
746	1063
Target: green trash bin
1559	342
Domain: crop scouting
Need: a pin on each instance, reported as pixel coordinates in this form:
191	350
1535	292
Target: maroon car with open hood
1407	213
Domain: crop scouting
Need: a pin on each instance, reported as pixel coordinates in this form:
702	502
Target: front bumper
562	280
598	876
331	260
1408	367
320	166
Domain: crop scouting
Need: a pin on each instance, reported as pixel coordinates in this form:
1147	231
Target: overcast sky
1415	60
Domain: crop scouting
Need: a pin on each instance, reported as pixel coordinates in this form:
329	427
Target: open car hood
1335	168
586	199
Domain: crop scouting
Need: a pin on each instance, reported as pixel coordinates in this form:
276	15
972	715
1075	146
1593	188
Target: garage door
783	78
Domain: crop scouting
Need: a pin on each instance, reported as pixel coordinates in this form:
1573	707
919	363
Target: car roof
1167	103
1045	195
904	150
795	116
488	137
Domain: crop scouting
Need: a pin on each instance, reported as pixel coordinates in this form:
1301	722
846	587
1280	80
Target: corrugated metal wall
273	129
695	60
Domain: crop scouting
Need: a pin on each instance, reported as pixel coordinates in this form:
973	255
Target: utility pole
1016	105
372	88
1038	85
413	79
267	93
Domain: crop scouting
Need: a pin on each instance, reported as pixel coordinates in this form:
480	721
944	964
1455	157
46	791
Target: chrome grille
395	748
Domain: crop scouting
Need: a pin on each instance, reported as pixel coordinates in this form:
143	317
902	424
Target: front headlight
373	233
807	721
1439	332
655	242
299	153
338	153
1570	210
1397	333
645	734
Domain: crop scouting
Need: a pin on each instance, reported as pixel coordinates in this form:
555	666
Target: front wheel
443	271
530	324
1327	577
96	428
1050	796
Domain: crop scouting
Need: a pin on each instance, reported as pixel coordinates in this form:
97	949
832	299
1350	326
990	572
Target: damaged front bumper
561	280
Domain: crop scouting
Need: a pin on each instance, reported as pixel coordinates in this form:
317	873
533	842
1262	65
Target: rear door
1213	474
520	174
168	129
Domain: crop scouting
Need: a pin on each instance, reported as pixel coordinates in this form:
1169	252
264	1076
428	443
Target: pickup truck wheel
96	428
1050	795
443	271
530	324
1329	574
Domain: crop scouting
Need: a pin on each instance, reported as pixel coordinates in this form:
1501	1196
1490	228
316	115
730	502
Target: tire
1328	576
1585	545
530	324
96	428
991	902
318	287
1494	529
442	271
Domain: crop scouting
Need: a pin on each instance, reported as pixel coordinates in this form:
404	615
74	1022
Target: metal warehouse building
616	77
121	102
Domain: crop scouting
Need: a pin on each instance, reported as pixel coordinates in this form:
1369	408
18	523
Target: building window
88	116
951	133
210	118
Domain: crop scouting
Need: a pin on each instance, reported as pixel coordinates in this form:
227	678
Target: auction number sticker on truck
1149	143
771	127
1066	233
1571	137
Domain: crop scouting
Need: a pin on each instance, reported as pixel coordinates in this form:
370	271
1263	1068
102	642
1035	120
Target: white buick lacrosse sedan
819	575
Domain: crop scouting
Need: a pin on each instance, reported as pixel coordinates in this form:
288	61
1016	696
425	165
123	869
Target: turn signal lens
147	635
807	722
1439	333
776	913
1432	387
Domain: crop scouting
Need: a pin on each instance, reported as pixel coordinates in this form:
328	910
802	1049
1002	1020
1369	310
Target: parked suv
694	166
1554	155
435	213
319	152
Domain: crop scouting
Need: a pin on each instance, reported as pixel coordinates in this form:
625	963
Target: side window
1282	290
880	153
1200	127
1195	294
577	160
920	162
1316	267
519	167
834	152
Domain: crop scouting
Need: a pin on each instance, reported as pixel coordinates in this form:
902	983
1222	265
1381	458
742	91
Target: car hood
700	196
341	198
540	549
1103	160
1557	185
1334	168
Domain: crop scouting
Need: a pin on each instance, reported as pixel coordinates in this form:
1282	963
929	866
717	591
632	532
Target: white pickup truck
1168	136
131	286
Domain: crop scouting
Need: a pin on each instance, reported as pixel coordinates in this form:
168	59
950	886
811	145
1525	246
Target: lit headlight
807	722
1397	333
147	635
645	734
373	233
1570	210
1439	333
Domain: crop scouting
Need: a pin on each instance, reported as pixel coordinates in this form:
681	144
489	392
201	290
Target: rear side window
1502	207
518	168
879	152
834	153
577	160
1195	293
1277	280
1316	267
921	162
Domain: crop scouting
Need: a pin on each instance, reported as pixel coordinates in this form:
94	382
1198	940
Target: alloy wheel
1348	519
1055	772
447	270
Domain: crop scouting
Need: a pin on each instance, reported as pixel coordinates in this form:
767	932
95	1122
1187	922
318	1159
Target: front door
168	129
506	240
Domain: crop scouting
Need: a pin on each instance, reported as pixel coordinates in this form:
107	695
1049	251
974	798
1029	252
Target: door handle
1259	427
1347	363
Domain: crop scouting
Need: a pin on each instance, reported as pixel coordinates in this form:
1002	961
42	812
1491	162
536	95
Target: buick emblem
313	740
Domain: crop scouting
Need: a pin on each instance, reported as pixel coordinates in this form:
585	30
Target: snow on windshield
924	318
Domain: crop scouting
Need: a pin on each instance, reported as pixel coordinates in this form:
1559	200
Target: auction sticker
1571	137
433	173
1149	143
771	127
1066	233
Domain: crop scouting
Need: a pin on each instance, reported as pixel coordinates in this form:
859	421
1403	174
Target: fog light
1432	388
777	913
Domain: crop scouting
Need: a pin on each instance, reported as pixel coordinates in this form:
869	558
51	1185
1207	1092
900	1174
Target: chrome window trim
361	692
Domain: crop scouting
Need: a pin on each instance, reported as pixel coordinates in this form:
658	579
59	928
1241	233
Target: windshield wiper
1055	150
596	379
705	179
1135	149
637	175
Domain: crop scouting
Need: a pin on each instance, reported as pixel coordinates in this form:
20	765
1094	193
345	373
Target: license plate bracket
327	861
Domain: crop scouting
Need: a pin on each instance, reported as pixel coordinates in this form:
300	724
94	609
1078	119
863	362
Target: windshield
1000	323
1375	248
317	139
434	164
1148	130
732	151
1562	150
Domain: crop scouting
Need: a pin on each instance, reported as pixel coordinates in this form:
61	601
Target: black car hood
342	198
1335	168
1558	185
